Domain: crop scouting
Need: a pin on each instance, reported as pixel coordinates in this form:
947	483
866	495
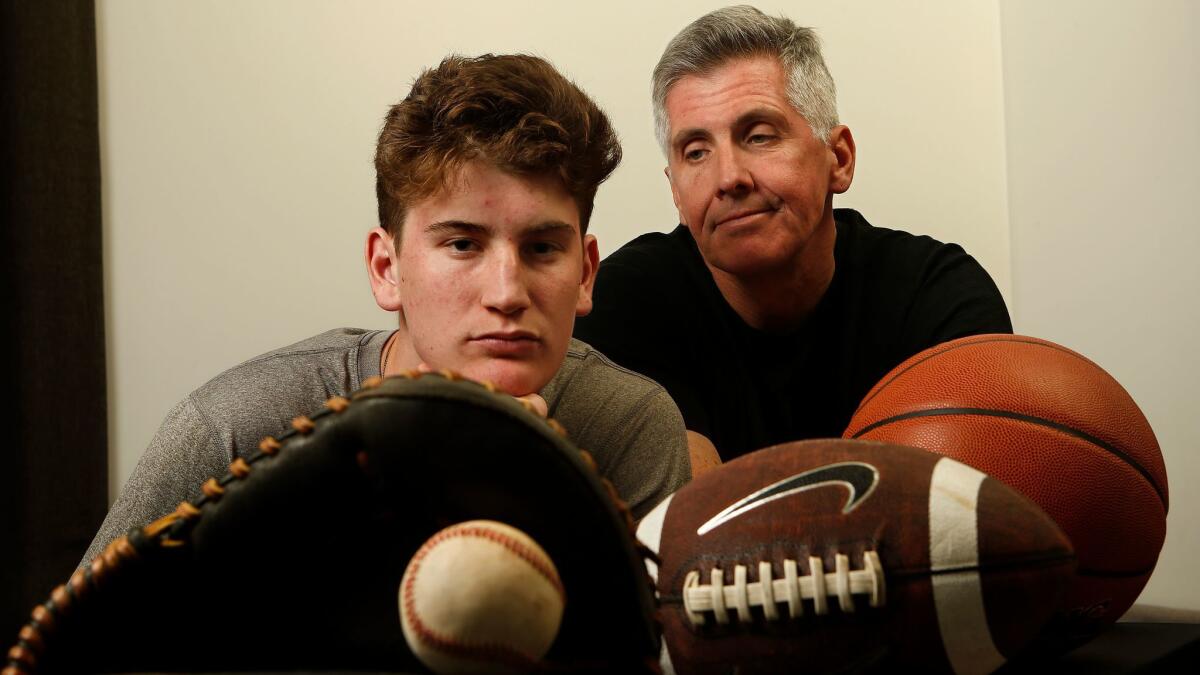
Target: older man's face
748	177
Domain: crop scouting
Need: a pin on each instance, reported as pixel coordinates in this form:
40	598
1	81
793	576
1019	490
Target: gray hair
741	31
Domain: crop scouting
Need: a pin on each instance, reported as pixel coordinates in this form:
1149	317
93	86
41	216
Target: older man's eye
695	154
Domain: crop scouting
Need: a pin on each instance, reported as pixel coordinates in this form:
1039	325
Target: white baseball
480	596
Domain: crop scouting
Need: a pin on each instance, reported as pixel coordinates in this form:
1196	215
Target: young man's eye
544	248
463	245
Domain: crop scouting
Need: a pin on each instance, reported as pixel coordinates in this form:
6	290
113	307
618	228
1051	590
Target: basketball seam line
1117	452
1006	338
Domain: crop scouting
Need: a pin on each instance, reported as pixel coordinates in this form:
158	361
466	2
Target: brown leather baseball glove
294	558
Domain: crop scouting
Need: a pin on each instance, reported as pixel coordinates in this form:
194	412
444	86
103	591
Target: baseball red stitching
450	645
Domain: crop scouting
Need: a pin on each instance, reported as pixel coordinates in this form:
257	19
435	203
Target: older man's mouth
742	217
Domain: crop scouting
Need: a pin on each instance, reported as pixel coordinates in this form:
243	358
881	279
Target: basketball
1055	426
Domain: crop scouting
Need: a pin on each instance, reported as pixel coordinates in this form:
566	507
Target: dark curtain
54	431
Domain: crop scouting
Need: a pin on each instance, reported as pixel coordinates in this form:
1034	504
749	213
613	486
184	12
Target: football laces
768	593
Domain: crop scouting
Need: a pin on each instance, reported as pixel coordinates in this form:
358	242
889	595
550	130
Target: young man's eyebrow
552	227
455	226
544	228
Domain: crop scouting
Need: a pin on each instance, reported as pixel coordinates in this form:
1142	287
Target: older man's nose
733	175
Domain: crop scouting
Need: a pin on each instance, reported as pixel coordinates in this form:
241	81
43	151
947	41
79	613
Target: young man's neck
398	355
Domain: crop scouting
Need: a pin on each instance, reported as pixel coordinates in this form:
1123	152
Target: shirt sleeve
651	460
182	455
628	423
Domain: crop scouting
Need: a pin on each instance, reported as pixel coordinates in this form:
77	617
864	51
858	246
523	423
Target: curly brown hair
514	111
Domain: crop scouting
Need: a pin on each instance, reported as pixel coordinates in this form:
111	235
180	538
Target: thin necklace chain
387	354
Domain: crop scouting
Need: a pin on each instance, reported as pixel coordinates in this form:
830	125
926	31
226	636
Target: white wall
237	140
1103	107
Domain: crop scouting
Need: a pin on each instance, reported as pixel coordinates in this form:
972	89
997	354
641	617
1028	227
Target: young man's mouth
507	343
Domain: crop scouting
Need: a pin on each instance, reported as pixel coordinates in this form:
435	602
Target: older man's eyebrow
688	135
759	114
756	114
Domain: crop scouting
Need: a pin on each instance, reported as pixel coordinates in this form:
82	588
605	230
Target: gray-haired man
767	314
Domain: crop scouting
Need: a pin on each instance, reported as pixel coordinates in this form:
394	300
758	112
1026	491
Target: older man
767	314
486	175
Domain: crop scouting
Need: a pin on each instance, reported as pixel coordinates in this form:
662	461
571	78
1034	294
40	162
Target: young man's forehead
539	228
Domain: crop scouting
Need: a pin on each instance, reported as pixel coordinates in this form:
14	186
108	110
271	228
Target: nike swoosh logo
858	477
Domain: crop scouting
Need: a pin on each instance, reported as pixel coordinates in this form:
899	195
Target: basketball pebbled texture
1055	426
926	563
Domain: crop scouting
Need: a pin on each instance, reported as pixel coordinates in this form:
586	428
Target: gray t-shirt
627	421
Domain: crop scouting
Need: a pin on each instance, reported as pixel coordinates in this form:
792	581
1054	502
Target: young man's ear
591	264
841	172
383	269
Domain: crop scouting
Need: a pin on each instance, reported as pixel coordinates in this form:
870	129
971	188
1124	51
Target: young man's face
490	276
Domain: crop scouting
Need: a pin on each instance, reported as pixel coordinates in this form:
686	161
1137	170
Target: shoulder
860	241
899	261
937	291
627	421
228	416
259	396
335	340
655	260
331	349
658	283
606	408
589	376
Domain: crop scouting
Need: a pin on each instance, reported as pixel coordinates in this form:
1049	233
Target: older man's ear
841	171
674	194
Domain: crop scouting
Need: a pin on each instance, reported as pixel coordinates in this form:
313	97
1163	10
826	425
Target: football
842	555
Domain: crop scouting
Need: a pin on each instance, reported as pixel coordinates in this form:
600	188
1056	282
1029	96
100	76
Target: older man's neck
780	300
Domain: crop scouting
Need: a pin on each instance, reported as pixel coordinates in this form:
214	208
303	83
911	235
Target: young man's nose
506	289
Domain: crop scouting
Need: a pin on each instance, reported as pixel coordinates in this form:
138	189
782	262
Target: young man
767	314
486	174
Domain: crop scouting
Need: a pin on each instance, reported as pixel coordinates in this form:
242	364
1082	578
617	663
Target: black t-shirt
659	312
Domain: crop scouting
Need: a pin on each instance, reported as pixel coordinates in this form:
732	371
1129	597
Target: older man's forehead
739	91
